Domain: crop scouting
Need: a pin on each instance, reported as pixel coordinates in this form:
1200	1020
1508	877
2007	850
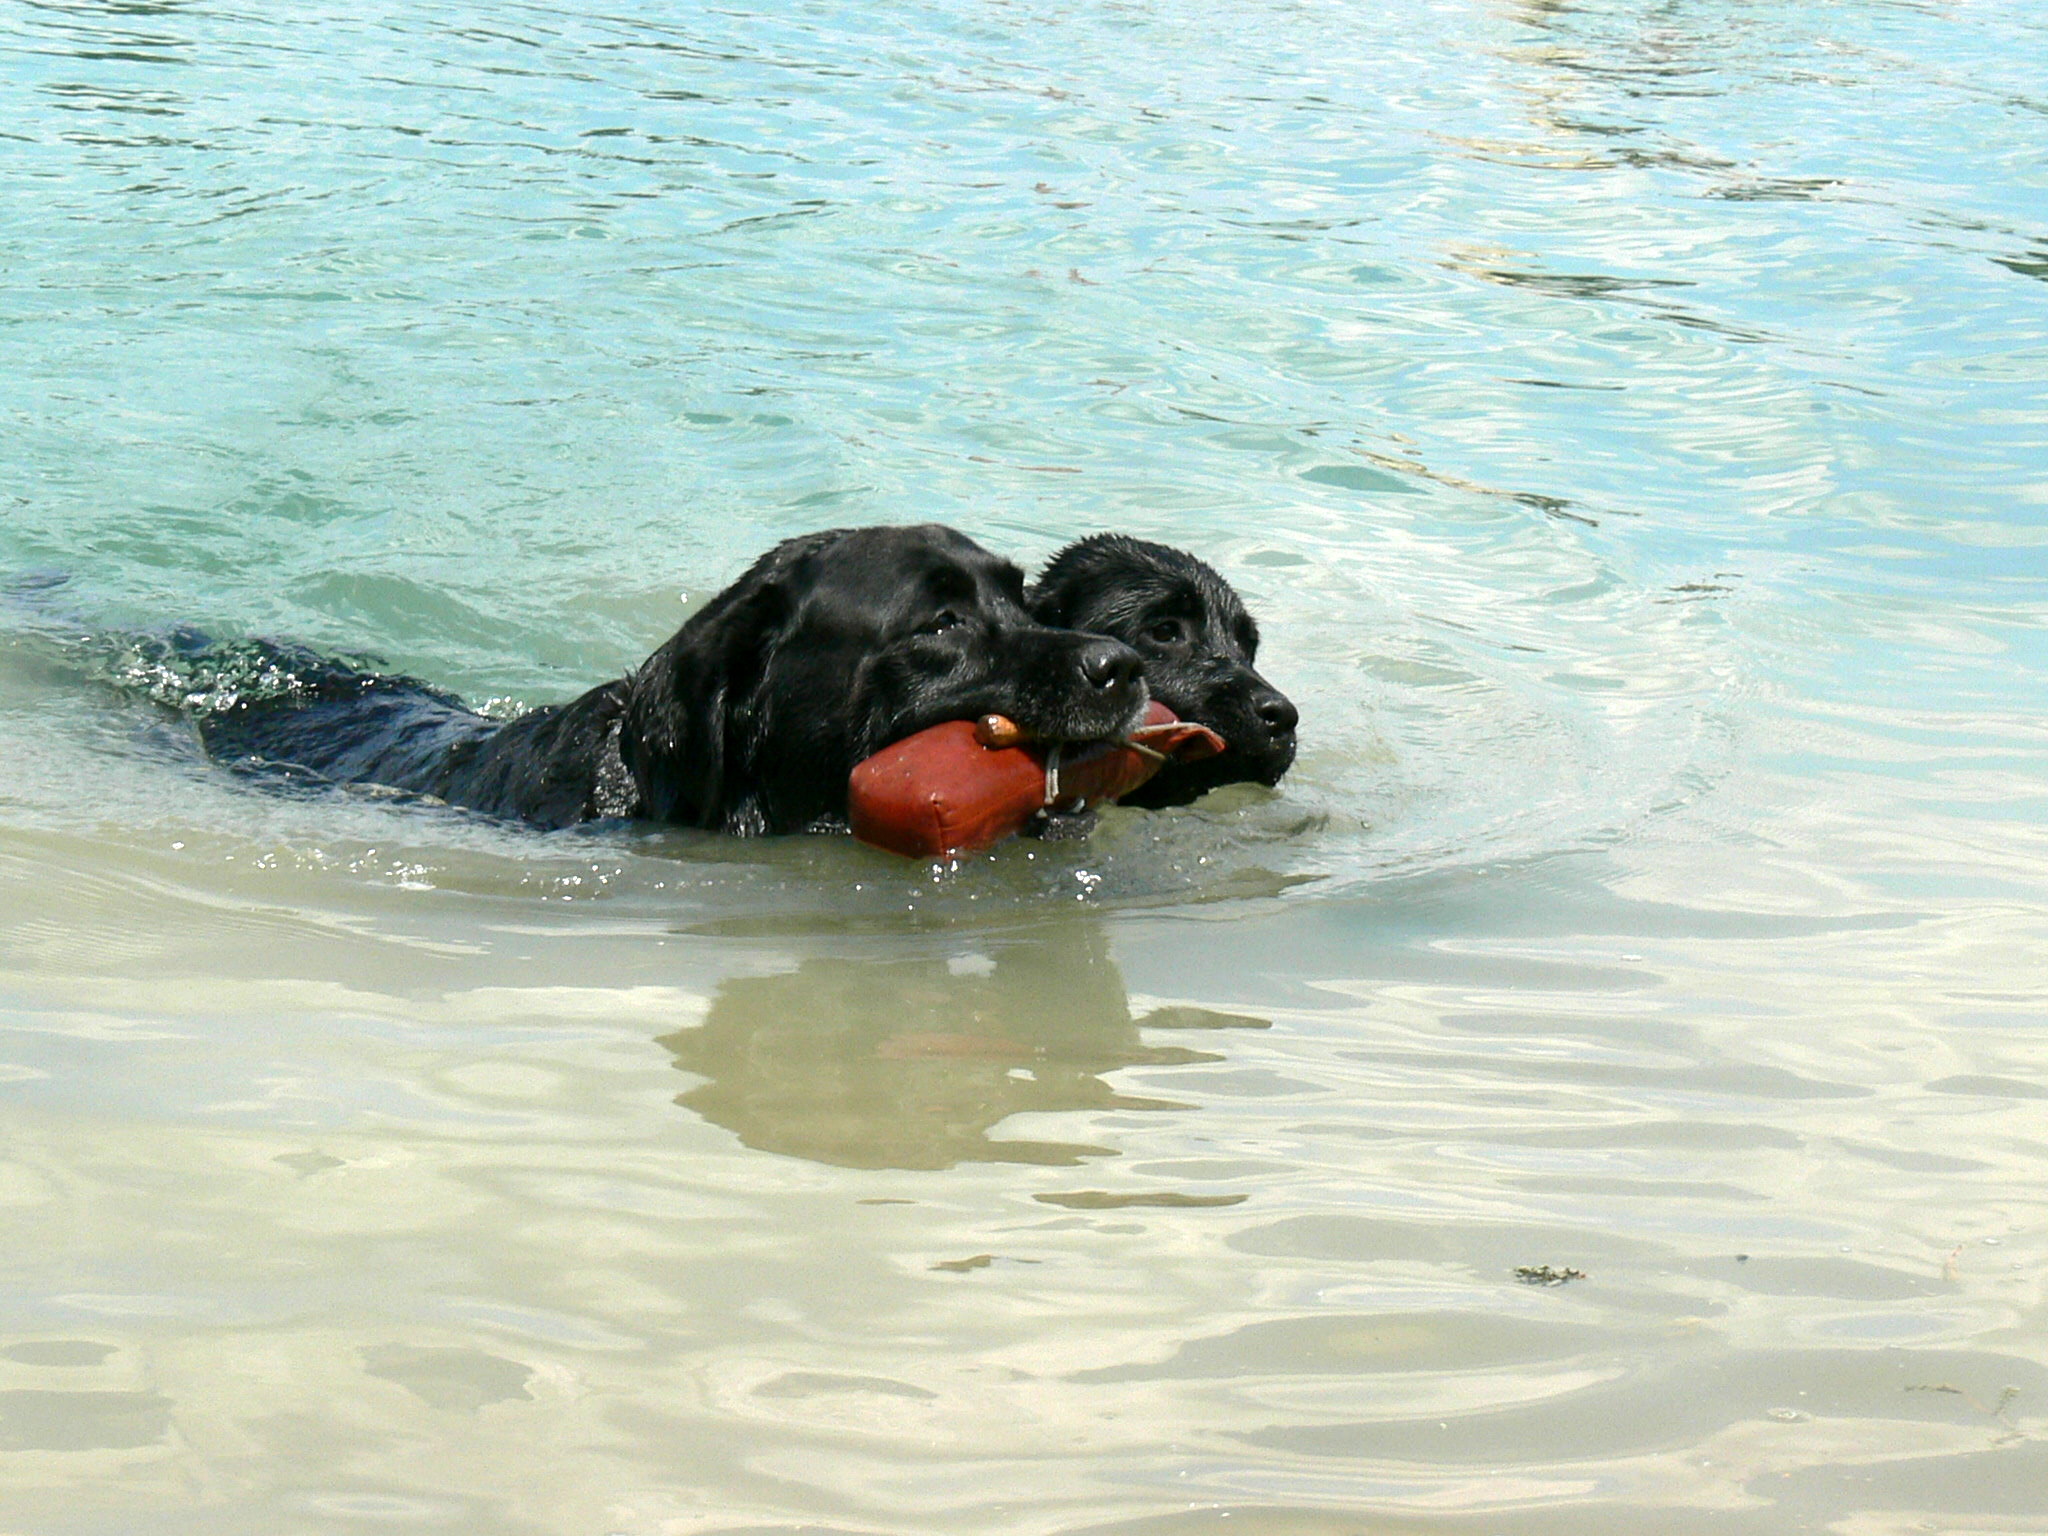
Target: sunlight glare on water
1600	1091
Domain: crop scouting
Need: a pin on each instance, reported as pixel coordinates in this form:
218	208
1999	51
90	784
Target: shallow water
1629	424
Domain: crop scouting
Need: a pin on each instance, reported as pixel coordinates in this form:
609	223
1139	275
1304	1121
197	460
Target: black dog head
1198	645
833	646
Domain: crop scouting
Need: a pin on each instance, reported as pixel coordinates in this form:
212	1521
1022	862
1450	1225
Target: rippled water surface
1630	424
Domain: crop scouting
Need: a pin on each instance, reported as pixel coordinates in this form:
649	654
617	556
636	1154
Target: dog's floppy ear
688	732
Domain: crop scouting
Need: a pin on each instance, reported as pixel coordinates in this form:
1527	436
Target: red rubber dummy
969	784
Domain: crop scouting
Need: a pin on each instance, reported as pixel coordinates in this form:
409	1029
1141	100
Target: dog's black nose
1107	664
1280	716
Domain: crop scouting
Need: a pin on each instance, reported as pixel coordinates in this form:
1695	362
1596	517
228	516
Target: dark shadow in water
2032	263
911	1062
1573	285
1638	293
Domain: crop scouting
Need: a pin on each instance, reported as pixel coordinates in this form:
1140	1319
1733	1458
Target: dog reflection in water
910	1063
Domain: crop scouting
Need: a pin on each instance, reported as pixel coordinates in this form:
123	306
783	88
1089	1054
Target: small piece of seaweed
1543	1274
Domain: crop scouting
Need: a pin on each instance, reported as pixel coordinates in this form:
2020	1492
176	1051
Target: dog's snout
1109	665
1278	714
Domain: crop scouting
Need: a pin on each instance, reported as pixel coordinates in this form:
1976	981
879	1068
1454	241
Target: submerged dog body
749	720
1197	642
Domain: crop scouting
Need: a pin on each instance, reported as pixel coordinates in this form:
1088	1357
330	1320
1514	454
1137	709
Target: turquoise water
1630	424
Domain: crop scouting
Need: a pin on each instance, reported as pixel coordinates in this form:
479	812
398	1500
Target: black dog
749	720
1198	645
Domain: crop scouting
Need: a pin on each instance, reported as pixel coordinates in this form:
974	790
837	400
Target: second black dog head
1198	645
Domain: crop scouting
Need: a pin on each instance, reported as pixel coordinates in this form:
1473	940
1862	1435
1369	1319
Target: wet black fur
1198	645
748	720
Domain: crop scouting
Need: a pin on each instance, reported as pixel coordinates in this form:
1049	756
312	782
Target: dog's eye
940	623
1165	631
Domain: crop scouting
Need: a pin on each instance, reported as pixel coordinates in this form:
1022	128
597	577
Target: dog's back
342	724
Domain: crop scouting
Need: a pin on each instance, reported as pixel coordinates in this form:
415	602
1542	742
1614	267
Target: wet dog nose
1107	665
1280	716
